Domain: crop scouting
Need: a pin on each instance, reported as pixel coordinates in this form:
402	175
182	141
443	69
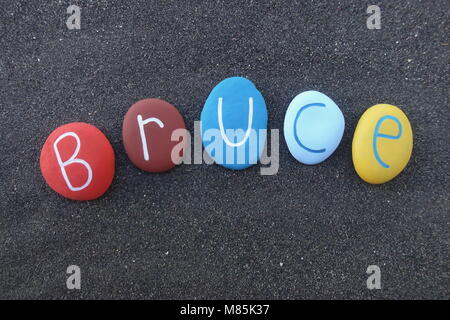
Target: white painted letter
72	160
221	127
142	123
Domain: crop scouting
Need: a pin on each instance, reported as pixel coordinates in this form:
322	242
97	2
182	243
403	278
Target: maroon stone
147	132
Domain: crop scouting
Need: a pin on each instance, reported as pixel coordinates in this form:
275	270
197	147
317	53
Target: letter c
295	125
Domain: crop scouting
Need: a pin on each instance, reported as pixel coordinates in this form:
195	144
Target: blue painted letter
382	135
295	125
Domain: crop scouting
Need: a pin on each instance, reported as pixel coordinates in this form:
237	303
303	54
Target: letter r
141	124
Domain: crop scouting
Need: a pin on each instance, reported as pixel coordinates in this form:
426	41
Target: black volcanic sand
202	231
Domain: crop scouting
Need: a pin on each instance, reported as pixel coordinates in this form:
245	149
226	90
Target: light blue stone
234	124
313	127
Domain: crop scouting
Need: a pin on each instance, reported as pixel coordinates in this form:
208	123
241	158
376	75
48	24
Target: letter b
72	160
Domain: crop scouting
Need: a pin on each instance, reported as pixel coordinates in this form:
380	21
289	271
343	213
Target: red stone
147	132
82	175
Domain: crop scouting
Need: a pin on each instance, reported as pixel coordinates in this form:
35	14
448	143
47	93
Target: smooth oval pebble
313	127
77	161
147	135
234	123
382	143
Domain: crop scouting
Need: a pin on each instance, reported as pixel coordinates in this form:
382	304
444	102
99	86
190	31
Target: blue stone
313	127
234	124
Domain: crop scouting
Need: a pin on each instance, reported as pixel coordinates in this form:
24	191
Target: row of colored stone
78	161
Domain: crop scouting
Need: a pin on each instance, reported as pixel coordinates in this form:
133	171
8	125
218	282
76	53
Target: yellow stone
382	143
